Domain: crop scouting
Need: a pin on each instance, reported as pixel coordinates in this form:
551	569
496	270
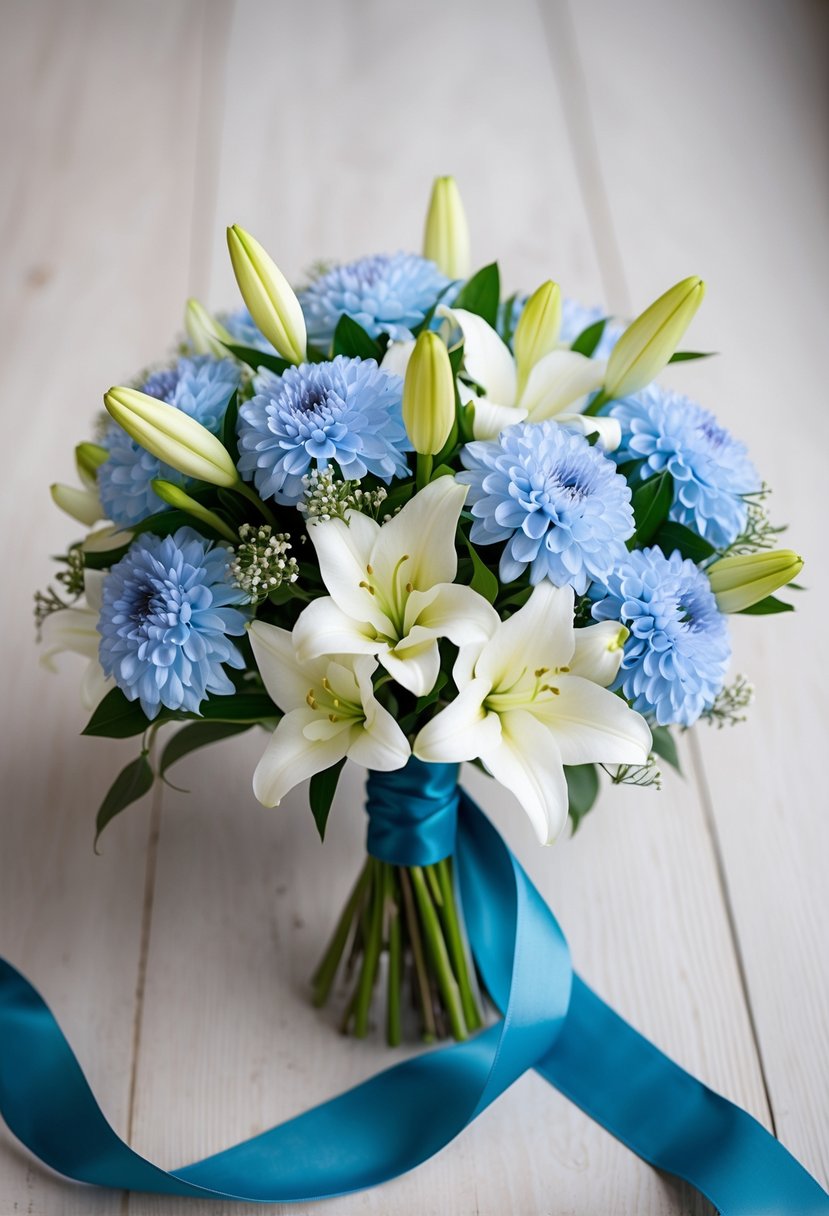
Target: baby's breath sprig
759	532
326	497
730	706
262	562
636	774
71	580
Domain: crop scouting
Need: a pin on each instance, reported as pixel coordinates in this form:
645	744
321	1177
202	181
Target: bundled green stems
410	912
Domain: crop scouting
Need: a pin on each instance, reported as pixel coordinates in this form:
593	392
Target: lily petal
489	419
609	430
344	555
529	764
423	532
539	635
462	731
452	611
414	662
396	358
486	357
594	725
323	628
558	380
291	757
94	685
381	744
72	629
599	652
275	653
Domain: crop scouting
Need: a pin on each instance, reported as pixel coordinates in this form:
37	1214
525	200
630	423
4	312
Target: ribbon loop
413	813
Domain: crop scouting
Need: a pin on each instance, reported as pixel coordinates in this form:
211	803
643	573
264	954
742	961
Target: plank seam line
716	847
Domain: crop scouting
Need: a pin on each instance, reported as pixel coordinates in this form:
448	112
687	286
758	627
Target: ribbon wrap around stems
551	1022
413	813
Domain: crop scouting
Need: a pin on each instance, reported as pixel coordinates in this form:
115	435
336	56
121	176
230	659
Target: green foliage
671	536
132	783
116	718
664	746
352	340
582	790
258	358
651	503
589	338
483	580
482	294
229	427
684	356
767	607
321	791
195	735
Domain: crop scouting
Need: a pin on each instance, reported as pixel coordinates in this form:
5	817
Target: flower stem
455	943
371	952
393	1027
421	974
424	470
323	977
241	487
440	956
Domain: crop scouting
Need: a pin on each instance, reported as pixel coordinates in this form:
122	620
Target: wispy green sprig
730	706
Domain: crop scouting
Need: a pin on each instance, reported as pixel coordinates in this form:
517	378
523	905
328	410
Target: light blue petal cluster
199	386
385	293
575	318
711	470
559	504
347	412
244	330
678	651
165	619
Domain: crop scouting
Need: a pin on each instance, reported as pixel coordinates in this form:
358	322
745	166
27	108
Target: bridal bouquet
397	518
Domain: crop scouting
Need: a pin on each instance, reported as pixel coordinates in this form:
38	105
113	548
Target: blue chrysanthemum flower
201	387
385	293
244	330
559	503
348	411
711	470
165	619
678	651
575	318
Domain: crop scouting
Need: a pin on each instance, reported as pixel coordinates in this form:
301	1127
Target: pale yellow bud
268	295
207	334
88	459
536	333
174	496
446	235
84	505
739	582
172	436
429	395
648	343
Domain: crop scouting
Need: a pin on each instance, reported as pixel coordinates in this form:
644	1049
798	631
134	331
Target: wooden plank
94	97
332	153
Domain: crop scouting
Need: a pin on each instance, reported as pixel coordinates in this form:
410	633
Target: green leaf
103	561
770	605
165	523
664	745
651	503
321	793
483	580
509	306
684	356
229	427
352	340
482	294
258	358
249	707
582	789
676	536
132	783
194	736
589	338
117	718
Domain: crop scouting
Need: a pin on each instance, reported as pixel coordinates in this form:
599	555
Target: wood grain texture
319	127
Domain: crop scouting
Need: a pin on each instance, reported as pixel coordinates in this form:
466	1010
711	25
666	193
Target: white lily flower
391	588
557	386
75	630
522	709
330	713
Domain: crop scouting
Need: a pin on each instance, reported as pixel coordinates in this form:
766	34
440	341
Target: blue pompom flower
348	412
711	470
385	293
678	651
200	386
165	620
559	503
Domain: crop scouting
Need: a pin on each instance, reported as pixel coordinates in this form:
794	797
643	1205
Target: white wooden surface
614	147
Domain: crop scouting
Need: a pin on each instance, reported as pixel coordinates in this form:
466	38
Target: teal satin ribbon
552	1022
413	813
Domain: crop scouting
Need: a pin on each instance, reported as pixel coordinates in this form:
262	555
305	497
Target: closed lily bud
172	436
446	235
536	333
268	295
84	505
174	496
739	582
429	395
648	343
88	459
207	334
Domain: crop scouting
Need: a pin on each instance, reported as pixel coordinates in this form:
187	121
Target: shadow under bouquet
397	518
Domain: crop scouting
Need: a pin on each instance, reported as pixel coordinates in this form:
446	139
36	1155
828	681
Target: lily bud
207	334
268	295
648	343
106	540
88	459
536	333
83	505
174	496
446	235
172	436
739	582
429	395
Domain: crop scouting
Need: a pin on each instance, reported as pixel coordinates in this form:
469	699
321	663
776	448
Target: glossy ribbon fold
552	1022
